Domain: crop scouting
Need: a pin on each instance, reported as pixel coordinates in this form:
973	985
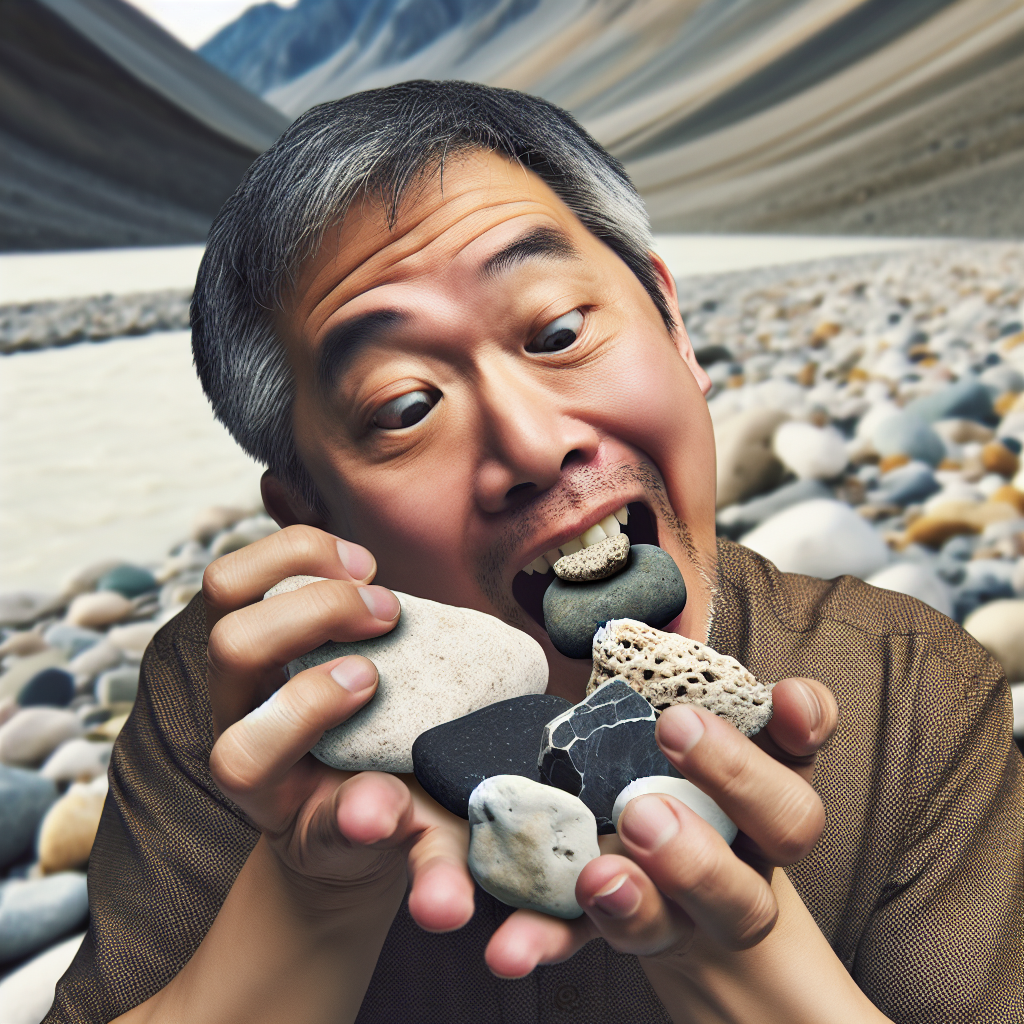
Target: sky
194	21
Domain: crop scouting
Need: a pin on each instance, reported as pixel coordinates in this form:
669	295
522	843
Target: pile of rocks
69	673
869	415
66	321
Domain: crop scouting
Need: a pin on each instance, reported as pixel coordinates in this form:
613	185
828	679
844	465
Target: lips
529	586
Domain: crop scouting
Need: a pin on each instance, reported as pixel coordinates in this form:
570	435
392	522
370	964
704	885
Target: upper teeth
608	527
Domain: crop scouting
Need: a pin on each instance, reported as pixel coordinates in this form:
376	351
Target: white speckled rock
668	669
529	843
439	663
686	793
598	562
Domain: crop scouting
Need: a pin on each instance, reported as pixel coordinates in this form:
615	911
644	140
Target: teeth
608	527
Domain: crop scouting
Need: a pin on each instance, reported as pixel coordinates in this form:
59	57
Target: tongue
650	588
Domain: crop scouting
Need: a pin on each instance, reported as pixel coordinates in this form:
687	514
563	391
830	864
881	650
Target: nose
528	441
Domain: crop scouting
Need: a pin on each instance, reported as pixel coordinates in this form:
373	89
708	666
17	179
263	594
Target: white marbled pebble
685	792
529	842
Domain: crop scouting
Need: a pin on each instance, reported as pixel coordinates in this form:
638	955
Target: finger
252	761
247	649
628	910
774	806
244	576
804	719
529	938
691	864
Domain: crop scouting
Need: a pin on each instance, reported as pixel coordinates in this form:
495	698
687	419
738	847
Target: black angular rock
452	759
599	746
650	588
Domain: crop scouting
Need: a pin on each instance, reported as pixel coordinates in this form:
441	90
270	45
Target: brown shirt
916	881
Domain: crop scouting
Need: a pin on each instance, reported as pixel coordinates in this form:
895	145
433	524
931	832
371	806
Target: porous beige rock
439	663
667	669
67	832
598	562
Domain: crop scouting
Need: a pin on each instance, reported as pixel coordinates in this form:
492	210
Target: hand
342	839
668	886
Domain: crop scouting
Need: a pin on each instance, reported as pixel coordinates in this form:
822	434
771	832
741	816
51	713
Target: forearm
265	959
791	977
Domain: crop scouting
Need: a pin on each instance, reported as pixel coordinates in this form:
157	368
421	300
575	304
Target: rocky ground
869	416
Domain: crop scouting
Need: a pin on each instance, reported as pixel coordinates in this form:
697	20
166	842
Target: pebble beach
869	416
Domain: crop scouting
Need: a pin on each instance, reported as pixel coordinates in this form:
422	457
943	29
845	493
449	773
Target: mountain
857	116
112	132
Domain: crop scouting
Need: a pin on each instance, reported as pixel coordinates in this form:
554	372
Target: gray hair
373	144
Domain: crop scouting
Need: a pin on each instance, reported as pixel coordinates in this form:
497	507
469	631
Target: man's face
485	381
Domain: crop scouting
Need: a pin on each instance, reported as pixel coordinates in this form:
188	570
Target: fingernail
810	698
382	603
680	730
648	823
358	562
619	898
354	674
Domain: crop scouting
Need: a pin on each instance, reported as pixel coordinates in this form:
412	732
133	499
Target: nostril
512	491
574	456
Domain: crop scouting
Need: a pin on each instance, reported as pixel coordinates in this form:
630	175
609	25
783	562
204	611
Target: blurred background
836	184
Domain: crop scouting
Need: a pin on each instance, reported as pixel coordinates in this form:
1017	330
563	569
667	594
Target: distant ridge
111	132
804	116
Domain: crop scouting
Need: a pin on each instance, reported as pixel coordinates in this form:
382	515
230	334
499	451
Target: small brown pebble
997	458
805	378
598	562
824	332
892	462
1005	402
1010	496
934	531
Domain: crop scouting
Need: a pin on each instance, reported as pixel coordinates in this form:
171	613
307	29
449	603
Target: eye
405	411
558	334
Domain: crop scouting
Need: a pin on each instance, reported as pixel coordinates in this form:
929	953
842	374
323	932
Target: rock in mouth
529	589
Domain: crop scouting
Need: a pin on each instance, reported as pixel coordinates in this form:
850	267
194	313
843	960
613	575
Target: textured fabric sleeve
169	845
945	942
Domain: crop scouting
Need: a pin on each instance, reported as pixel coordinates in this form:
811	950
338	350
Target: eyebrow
540	243
342	342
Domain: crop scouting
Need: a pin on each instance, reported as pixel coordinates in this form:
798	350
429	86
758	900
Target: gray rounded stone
529	843
24	799
35	913
650	588
439	663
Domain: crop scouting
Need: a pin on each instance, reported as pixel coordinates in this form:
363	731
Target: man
432	311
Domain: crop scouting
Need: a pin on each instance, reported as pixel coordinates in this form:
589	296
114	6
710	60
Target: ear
284	506
682	339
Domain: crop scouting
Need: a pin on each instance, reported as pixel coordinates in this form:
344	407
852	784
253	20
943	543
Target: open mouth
635	520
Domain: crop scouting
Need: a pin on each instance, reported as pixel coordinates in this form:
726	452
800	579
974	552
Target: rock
108	729
668	669
999	627
962	431
452	759
650	588
529	843
996	457
910	436
811	453
53	687
77	760
180	590
1017	579
92	662
598	562
27	993
242	534
819	538
22	644
9	707
84	580
738	519
686	793
128	580
23	607
33	914
439	663
24	798
134	639
69	828
910	483
211	521
1002	378
967	399
917	581
598	746
746	463
99	609
985	580
33	734
24	669
72	640
934	530
117	686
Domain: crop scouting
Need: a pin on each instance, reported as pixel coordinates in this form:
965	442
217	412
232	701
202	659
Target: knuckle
757	922
217	585
799	824
225	650
236	773
304	543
